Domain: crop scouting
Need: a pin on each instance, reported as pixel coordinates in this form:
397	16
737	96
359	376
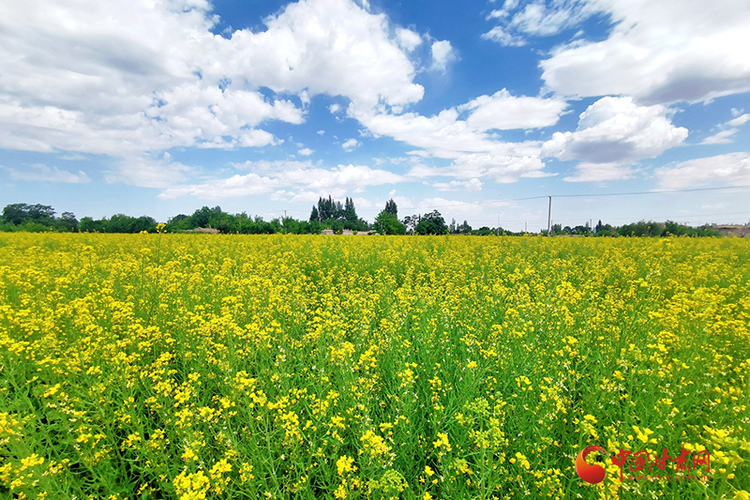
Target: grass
193	366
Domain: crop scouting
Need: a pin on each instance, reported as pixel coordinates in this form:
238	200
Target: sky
620	110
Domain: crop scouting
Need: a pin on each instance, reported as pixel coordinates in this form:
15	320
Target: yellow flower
442	441
345	464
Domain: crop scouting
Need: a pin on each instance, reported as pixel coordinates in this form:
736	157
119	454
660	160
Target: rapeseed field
198	366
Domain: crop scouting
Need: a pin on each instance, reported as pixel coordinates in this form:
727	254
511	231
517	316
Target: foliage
387	223
19	213
331	214
432	223
391	208
328	214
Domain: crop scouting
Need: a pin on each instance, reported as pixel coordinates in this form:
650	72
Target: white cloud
600	172
615	130
350	145
504	163
305	152
289	177
38	172
474	152
739	121
137	78
442	205
327	46
659	52
537	18
501	36
408	39
502	111
442	55
148	172
731	169
723	137
471	185
443	135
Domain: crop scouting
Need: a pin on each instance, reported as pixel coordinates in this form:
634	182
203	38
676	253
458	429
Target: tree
18	213
387	223
411	221
89	225
206	217
464	228
432	223
326	208
179	222
314	216
67	222
350	213
391	208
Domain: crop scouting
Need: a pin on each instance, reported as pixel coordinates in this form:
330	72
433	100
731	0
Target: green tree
67	222
19	213
387	223
411	221
391	208
350	213
205	217
432	223
90	225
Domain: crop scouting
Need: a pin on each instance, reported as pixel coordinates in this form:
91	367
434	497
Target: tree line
641	228
327	214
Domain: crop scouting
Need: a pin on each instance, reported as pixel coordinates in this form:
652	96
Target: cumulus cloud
38	172
442	55
146	171
462	208
133	80
600	172
408	39
289	177
442	135
615	130
659	52
470	185
475	153
350	145
503	111
327	46
504	163
731	169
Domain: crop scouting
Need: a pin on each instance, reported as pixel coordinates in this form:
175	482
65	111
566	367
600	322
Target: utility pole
549	217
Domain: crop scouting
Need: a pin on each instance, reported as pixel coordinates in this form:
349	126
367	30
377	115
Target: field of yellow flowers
199	366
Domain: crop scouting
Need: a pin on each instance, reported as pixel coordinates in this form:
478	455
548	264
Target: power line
579	195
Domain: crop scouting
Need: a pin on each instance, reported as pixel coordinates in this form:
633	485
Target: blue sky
479	109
